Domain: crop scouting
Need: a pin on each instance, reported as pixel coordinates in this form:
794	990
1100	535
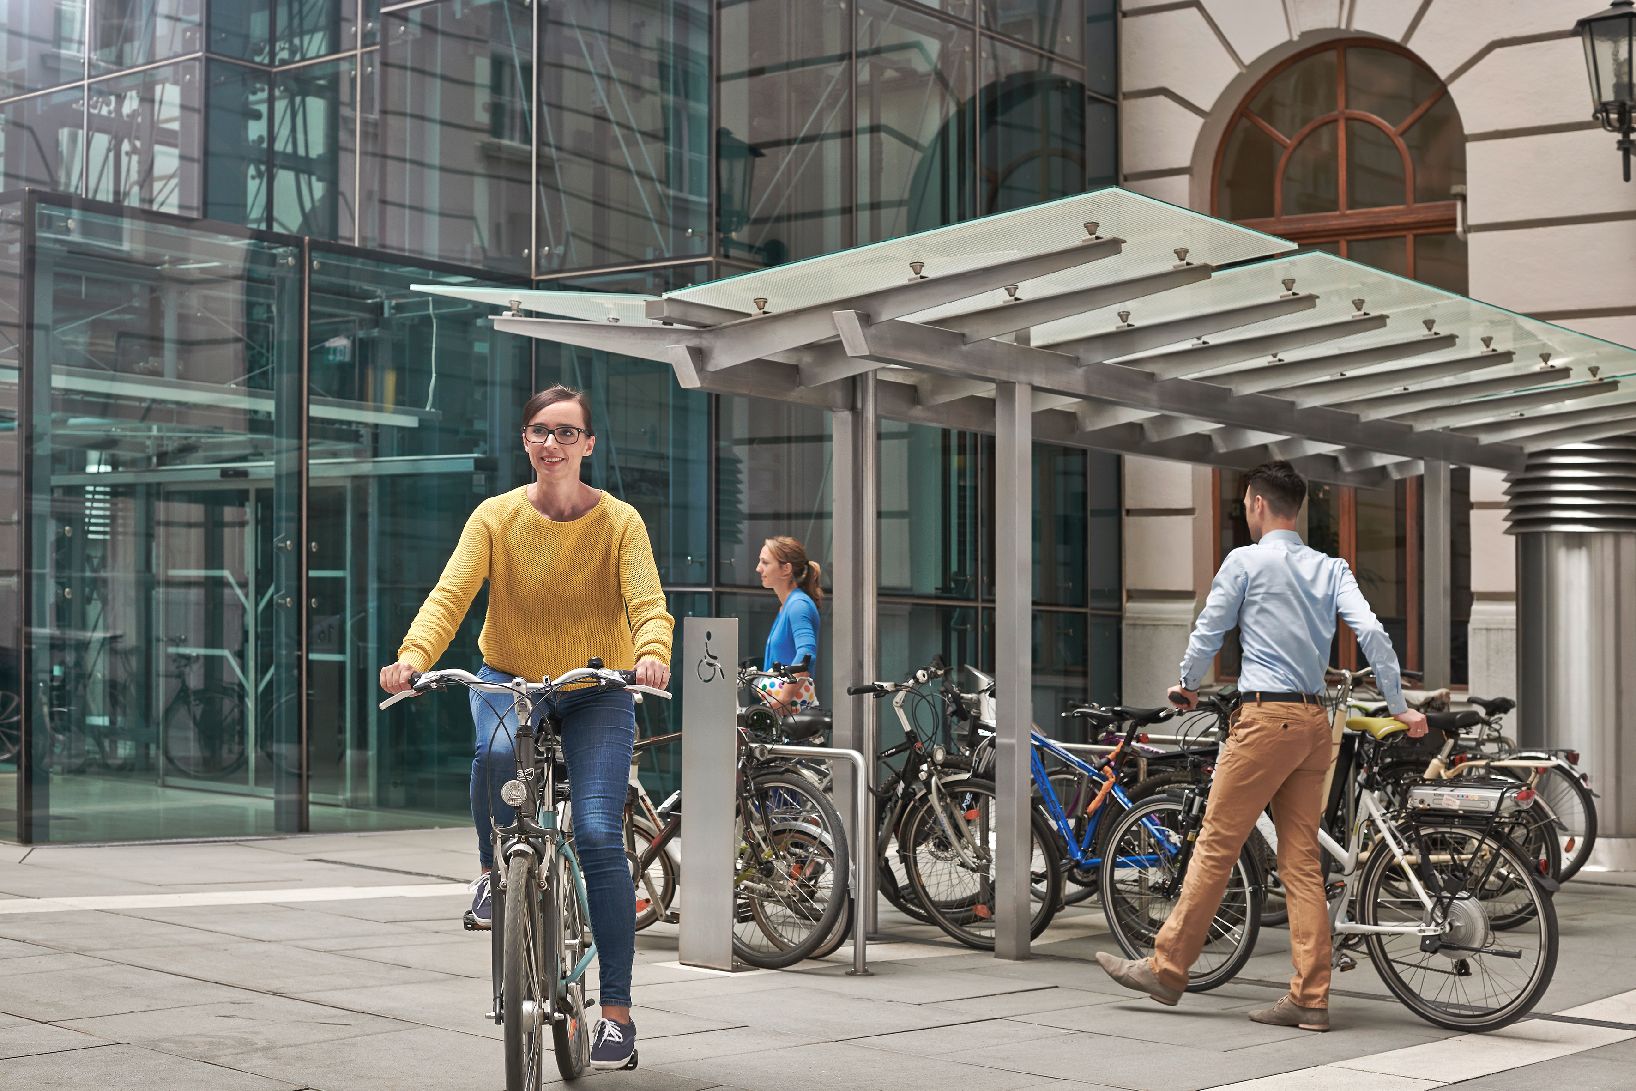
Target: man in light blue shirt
1284	599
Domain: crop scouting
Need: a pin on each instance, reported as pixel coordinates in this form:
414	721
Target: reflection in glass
1061	664
238	108
914	139
313	150
1060	507
785	130
42	142
1032	141
1249	170
1374	168
1311	182
11	526
1387	84
772	477
126	33
446	166
1437	144
1106	532
1380	560
1440	260
147	139
42	44
164	446
1102	47
928	510
911	633
624	132
1390	254
1304	91
1057	25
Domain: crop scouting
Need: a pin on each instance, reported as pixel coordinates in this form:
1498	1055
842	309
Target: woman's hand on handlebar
398	677
651	672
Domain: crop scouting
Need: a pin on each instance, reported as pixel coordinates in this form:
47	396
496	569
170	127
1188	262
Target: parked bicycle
542	945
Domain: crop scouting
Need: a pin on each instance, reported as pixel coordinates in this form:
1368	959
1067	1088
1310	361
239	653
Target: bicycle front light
514	793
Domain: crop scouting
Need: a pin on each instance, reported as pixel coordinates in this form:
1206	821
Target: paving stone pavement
382	991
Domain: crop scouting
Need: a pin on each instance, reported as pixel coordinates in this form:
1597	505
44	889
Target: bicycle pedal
672	917
630	1063
1346	962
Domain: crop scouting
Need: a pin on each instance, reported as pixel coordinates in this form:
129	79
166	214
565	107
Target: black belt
1261	697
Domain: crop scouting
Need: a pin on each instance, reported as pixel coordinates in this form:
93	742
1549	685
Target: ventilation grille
1585	488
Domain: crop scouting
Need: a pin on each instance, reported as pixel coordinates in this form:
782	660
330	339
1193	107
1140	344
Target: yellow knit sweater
559	592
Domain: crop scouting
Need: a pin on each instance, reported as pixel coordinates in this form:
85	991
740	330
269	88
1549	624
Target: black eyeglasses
566	434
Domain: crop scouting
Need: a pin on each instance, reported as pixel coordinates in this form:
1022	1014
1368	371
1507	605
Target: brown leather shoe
1135	973
1287	1013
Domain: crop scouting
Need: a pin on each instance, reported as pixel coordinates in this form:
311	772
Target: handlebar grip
1176	699
803	667
628	676
866	688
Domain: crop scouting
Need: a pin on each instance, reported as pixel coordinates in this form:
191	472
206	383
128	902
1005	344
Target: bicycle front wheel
1473	977
791	883
568	937
203	733
523	990
1143	868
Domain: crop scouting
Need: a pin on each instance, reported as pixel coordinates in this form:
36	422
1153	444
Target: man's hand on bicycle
1183	698
398	677
1416	721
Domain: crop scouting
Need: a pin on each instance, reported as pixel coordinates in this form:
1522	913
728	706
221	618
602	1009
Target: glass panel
238	108
652	451
1249	169
1323	533
242	28
1102	156
1387	84
1057	25
625	132
1105	662
657	281
147	138
126	33
1106	533
1102	46
447	163
1460	598
42	142
1301	93
1231	533
314	150
1060	507
1440	260
165	434
1310	180
928	510
1437	147
42	44
959	9
772	477
414	414
911	633
1374	168
1061	655
11	523
784	148
1380	563
914	133
1032	138
1388	254
304	29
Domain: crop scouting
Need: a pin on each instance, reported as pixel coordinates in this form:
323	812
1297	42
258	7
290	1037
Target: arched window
1355	148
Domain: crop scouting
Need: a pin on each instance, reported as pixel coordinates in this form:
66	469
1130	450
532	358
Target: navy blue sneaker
481	914
613	1044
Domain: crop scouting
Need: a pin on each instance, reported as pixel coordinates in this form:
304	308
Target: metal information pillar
1013	661
709	761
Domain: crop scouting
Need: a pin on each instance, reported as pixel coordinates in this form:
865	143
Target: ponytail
809	583
790	551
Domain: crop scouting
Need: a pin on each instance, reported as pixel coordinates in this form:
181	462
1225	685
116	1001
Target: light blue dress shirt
1284	598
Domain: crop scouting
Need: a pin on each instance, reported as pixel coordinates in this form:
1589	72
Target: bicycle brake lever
403	695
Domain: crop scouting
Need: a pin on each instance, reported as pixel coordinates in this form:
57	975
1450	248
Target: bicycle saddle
1452	723
1120	715
807	725
1379	728
1493	706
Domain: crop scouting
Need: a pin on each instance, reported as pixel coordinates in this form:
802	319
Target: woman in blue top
784	568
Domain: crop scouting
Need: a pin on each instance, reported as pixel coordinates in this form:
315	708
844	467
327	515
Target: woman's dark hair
790	551
1280	486
551	395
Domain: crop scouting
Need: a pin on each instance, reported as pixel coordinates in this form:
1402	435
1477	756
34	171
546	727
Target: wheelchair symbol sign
710	668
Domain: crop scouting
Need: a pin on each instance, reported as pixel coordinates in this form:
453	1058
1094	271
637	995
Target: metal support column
856	579
709	654
1013	660
1437	582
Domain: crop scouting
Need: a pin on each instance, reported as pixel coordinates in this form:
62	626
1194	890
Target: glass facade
236	447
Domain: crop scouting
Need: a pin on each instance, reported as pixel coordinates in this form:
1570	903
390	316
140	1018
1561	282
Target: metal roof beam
1546	424
1583	434
645	342
682	312
1027	313
1338	391
1199	449
1130	339
1287	374
946	351
935	390
1411	401
1495	409
1185	363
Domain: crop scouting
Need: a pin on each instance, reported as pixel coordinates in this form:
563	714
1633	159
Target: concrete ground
336	962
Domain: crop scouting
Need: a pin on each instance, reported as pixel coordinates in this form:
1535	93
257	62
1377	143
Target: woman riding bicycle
784	568
571	576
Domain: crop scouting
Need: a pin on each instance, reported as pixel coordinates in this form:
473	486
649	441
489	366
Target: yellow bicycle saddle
1378	727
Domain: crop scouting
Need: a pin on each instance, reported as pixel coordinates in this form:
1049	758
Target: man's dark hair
1280	486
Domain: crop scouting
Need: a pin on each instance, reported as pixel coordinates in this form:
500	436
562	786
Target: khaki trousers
1278	754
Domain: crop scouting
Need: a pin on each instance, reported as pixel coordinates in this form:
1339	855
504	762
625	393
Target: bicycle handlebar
612	679
919	677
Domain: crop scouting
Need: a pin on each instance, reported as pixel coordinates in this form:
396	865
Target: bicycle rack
862	878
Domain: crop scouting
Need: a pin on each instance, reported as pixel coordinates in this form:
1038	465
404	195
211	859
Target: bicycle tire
1372	893
1079	883
1135	917
792	873
525	998
567	934
1558	786
655	888
843	929
202	752
897	891
11	725
968	916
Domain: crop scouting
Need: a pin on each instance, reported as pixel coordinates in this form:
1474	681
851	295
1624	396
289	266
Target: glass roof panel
591	306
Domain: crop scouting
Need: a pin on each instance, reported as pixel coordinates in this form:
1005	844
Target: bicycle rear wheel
203	733
792	871
951	843
568	937
656	883
1143	854
1572	807
1474	978
525	996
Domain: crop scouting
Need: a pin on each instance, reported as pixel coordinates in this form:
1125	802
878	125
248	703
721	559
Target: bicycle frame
1079	852
1351	857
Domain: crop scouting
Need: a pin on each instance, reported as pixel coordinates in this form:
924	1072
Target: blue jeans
598	733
